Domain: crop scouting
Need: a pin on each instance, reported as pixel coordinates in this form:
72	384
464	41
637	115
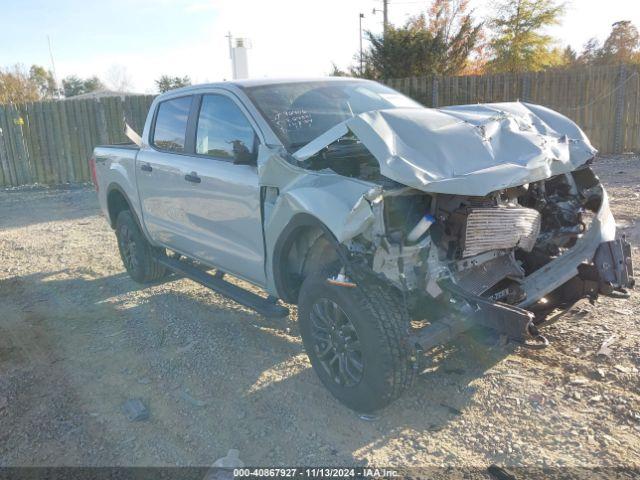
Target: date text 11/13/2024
315	472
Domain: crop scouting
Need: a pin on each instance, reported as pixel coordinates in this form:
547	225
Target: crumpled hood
467	149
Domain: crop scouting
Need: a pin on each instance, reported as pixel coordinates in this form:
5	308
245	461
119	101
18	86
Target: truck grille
500	227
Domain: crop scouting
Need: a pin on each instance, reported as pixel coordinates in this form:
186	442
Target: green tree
16	87
622	45
590	52
451	23
518	43
44	80
93	84
438	43
337	72
400	52
569	56
166	83
74	85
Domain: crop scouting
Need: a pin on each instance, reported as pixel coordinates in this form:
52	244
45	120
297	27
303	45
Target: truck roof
256	82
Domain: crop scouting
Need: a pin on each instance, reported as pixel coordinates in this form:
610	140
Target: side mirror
242	155
248	158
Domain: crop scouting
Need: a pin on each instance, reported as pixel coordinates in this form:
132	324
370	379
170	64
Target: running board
264	306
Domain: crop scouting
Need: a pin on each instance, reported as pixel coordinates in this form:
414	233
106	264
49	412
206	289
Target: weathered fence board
604	101
50	142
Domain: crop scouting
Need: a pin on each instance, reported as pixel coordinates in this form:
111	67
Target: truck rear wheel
357	340
138	255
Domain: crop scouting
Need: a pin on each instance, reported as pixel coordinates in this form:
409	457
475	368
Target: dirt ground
78	338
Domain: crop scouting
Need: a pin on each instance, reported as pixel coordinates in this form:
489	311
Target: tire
137	254
381	346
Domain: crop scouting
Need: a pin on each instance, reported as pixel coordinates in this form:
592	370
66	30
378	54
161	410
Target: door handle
192	177
145	167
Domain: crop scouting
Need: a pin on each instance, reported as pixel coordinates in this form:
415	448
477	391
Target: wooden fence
604	101
50	142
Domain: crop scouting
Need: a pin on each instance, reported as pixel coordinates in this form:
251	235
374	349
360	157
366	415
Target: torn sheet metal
470	149
562	269
342	204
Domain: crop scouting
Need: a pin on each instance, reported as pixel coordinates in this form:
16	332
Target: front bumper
564	268
597	263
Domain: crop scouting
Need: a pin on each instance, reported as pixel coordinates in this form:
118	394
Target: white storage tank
239	60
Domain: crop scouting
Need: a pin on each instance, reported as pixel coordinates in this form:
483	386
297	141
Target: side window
224	131
171	124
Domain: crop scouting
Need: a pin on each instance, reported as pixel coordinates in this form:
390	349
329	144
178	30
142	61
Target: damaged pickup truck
392	226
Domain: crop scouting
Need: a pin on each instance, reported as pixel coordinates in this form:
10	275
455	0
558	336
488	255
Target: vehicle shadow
443	392
75	346
213	375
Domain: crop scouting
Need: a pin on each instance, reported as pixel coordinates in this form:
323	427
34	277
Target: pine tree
166	83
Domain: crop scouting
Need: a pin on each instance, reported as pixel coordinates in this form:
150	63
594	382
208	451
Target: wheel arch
117	201
306	243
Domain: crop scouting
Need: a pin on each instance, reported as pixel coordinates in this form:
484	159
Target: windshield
300	112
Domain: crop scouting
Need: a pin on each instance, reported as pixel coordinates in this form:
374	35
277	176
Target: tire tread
385	313
151	269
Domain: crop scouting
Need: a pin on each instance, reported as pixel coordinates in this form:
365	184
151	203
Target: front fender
333	202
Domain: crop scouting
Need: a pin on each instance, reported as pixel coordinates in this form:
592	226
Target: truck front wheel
138	255
357	340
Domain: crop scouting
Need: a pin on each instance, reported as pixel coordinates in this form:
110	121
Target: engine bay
485	245
436	247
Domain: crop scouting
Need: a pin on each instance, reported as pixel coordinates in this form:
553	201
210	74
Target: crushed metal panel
342	204
317	144
565	267
475	149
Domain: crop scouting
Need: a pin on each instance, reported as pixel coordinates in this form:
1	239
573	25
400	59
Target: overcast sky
187	37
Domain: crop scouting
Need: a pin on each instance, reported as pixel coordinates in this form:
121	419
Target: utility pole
53	64
361	17
385	16
233	63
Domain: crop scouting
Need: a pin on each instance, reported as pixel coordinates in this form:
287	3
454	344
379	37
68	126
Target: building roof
100	94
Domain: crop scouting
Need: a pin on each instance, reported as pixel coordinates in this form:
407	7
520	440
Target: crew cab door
209	206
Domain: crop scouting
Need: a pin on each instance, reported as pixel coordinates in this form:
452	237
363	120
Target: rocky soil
78	338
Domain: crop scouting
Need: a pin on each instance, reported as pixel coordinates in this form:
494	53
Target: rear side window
223	130
171	124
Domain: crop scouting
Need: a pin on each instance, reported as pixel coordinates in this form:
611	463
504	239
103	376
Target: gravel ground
78	338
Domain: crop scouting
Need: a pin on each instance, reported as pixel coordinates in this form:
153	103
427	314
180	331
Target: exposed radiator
500	227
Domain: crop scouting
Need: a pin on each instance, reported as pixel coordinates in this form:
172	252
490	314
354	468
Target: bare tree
16	86
118	78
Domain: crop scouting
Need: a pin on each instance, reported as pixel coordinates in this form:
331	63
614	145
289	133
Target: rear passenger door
159	171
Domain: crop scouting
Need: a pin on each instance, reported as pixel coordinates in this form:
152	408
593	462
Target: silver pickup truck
392	226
